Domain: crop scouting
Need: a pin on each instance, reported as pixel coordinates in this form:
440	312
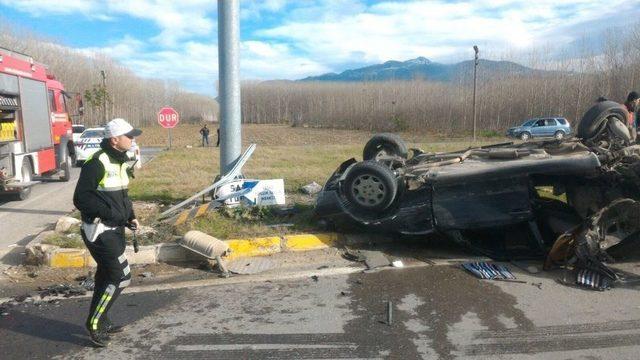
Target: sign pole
168	118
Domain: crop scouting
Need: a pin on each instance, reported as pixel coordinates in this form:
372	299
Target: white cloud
435	29
177	20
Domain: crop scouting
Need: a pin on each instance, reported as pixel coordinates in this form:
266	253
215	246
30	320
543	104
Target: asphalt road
23	220
438	312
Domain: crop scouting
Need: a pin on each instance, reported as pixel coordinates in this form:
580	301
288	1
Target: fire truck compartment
35	115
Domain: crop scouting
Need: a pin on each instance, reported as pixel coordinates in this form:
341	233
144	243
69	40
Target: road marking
235	347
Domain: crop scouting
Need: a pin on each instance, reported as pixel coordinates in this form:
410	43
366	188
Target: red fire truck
35	128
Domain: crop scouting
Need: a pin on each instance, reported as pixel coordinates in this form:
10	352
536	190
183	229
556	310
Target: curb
56	257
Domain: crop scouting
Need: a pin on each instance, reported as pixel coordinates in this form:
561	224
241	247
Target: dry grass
297	155
282	135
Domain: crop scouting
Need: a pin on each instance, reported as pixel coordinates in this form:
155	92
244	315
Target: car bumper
83	154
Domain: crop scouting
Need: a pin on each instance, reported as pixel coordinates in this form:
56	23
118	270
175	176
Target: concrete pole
475	76
229	80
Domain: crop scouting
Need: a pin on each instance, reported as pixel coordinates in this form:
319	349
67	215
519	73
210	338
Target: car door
538	128
550	127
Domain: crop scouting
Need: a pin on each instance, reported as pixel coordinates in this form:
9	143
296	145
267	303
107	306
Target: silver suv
556	127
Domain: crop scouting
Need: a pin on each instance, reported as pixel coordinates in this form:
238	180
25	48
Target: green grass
242	222
66	240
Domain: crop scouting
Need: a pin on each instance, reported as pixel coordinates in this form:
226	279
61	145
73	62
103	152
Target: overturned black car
491	192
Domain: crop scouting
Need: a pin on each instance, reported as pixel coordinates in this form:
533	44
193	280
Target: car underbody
496	197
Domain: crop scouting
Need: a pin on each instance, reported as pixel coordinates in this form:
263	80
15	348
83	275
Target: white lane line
234	347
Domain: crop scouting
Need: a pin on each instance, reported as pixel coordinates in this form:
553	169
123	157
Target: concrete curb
56	257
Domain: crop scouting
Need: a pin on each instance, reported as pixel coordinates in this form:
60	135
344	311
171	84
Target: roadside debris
311	189
484	270
229	177
584	248
203	244
372	259
389	313
65	290
86	282
397	264
146	275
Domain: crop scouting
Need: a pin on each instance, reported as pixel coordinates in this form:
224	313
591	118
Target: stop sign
168	118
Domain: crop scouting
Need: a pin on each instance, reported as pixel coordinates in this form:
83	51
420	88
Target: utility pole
475	81
229	79
104	96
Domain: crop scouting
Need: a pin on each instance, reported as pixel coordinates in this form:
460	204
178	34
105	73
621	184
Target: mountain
423	68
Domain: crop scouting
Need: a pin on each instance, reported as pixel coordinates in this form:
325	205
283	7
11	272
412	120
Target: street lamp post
229	75
475	78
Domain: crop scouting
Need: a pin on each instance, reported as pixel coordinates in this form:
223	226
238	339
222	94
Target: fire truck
36	141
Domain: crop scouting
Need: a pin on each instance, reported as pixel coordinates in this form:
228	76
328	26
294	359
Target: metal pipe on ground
203	244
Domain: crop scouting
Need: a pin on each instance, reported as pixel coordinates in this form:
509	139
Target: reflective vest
115	175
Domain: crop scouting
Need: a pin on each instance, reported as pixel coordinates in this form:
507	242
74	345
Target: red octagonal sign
168	117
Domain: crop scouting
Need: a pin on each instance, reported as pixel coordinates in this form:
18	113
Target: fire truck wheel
66	166
27	173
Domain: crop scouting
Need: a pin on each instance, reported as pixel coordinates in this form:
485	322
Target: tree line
125	94
567	88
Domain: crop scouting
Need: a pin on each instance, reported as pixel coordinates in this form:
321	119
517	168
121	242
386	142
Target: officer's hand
134	224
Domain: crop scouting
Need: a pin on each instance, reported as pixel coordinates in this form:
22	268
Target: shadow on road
40	327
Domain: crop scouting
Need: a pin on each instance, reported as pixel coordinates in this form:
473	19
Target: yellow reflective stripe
104	300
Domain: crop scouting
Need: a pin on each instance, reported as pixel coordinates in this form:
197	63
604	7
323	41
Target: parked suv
556	127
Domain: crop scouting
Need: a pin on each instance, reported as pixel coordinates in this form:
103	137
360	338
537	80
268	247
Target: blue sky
281	39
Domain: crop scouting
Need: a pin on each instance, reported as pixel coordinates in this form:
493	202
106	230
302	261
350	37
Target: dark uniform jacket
114	208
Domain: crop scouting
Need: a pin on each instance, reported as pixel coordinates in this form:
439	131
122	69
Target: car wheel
385	145
596	118
559	135
65	166
370	186
525	136
27	174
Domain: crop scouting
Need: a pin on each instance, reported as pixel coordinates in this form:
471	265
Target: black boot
98	338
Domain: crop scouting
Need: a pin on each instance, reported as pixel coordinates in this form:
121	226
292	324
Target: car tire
385	144
370	186
525	136
27	174
559	135
65	166
72	152
594	120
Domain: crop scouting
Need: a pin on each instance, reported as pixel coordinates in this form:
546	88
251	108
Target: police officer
102	198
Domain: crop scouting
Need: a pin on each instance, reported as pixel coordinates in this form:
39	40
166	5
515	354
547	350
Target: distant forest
127	95
566	88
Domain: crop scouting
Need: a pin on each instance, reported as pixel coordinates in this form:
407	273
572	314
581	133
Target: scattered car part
484	270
